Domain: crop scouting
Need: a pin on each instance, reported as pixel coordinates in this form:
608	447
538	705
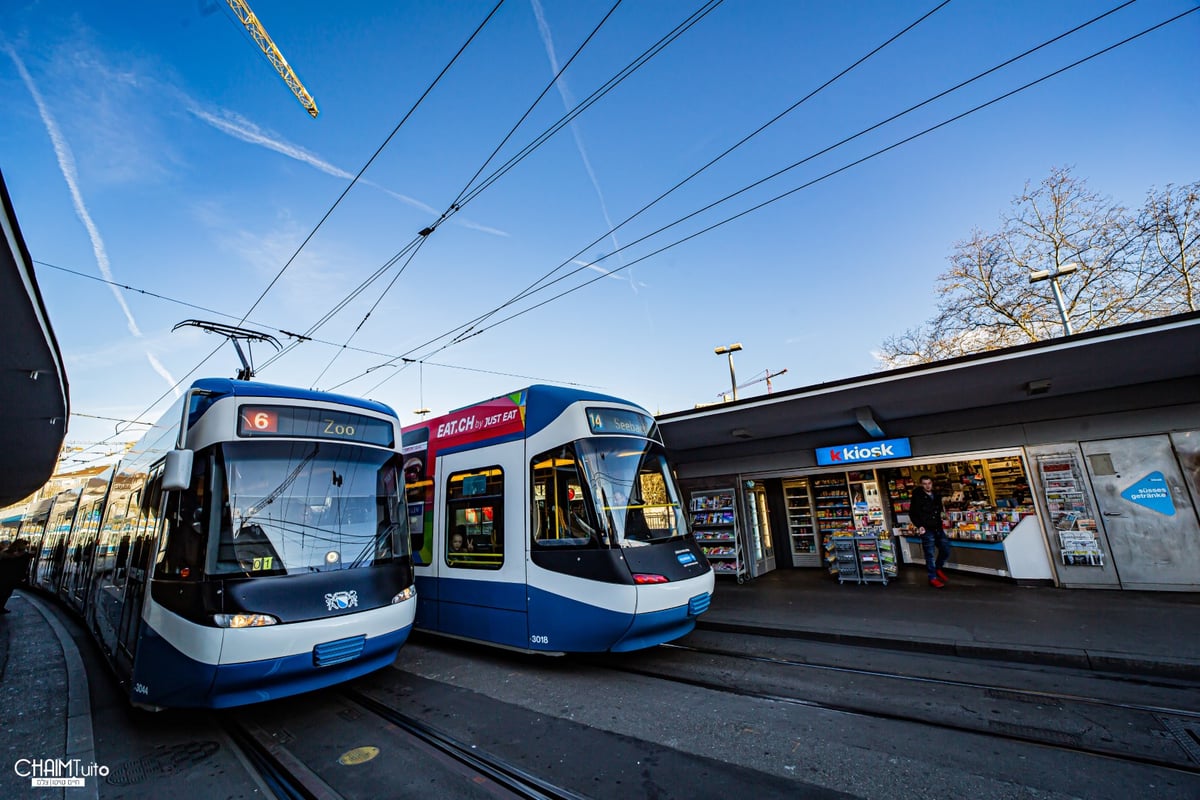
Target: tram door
1147	511
137	570
83	550
480	547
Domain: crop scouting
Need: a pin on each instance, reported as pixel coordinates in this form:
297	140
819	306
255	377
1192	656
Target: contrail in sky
609	273
569	103
66	163
241	128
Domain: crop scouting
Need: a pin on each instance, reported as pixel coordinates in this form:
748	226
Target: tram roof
236	388
552	398
1053	379
33	379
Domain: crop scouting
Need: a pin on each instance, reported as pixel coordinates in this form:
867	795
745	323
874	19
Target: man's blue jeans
928	540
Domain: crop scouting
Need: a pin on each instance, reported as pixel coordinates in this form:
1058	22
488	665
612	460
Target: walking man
925	511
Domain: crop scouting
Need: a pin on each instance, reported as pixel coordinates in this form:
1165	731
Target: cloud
569	103
239	127
66	164
161	370
609	274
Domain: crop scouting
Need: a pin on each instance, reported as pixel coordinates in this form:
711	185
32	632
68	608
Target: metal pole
1053	276
1062	308
730	350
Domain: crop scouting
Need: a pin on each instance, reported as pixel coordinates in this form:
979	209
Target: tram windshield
295	507
632	489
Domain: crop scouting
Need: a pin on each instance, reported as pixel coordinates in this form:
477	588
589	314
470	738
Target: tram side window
562	515
475	519
129	526
416	497
147	528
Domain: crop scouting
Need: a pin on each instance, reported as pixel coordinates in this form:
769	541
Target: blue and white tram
252	545
549	520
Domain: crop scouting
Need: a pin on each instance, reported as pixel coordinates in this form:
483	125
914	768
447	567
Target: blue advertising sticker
1153	493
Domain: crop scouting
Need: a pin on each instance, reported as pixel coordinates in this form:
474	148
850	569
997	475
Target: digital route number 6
264	421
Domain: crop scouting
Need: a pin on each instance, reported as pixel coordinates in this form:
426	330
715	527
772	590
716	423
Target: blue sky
151	144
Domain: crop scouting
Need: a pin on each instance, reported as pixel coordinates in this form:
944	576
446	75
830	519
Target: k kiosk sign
863	451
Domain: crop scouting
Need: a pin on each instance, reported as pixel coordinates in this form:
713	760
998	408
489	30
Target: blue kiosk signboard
863	451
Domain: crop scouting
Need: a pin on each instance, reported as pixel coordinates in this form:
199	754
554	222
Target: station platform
45	701
1142	633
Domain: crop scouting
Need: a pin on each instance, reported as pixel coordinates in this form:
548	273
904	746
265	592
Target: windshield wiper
282	487
371	545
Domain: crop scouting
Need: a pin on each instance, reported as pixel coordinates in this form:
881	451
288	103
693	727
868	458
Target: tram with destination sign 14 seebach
549	520
252	545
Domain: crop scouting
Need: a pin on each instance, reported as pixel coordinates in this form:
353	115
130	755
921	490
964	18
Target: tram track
283	774
519	782
288	770
1168	738
1032	695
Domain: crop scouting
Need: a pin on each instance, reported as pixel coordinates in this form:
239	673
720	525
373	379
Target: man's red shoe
937	583
942	577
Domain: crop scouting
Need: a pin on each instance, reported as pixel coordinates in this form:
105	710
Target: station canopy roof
34	404
1042	380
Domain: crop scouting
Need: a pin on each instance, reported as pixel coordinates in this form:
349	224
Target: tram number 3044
538	638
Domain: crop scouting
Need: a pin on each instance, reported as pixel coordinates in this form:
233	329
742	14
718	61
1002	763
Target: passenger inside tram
459	542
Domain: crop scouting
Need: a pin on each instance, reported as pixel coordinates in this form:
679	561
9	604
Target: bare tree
1118	269
1170	265
1062	223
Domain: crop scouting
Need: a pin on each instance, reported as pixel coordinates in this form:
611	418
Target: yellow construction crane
259	34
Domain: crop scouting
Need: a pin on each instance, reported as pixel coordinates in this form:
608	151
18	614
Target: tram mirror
177	471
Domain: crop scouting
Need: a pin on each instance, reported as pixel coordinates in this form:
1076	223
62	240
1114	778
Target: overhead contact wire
533	286
454	206
374	155
620	76
786	169
282	331
827	175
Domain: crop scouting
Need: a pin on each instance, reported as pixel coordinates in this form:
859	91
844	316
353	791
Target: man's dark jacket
925	510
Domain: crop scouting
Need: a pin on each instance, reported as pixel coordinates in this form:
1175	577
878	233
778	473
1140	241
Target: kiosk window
475	519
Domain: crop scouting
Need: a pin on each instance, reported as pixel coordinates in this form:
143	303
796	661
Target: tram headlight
244	620
407	594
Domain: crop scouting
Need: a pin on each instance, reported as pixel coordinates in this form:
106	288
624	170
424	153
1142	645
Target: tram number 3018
539	639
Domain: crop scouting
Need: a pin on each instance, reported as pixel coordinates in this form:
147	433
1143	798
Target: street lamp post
730	349
1052	276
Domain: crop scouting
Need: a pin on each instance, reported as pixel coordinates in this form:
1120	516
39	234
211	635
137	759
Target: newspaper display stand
865	558
714	524
1071	512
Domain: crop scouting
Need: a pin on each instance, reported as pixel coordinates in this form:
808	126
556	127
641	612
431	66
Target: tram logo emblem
340	601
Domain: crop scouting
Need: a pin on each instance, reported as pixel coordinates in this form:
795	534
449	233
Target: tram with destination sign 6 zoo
549	520
253	544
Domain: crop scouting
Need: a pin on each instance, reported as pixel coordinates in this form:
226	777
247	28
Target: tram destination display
314	423
616	420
